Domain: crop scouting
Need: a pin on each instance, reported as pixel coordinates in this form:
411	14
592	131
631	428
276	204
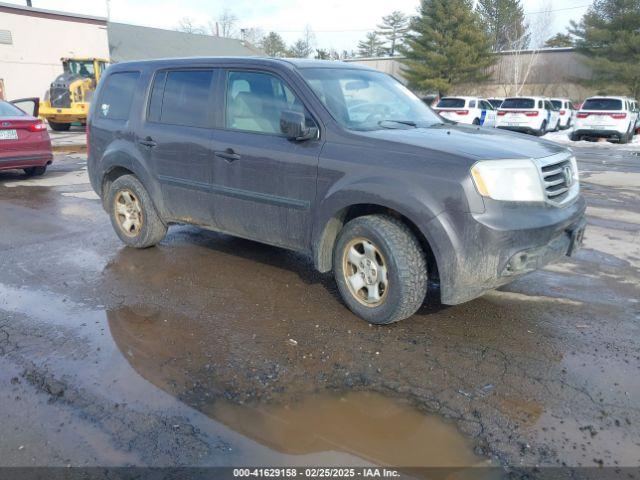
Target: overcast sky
337	23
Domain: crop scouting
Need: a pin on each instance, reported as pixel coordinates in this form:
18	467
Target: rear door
488	114
175	137
264	184
30	106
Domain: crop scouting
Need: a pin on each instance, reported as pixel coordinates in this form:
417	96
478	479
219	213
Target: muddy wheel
35	171
59	127
133	215
380	269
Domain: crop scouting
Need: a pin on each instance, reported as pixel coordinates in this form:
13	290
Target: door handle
147	142
229	155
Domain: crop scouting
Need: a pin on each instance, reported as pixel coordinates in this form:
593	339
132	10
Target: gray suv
335	160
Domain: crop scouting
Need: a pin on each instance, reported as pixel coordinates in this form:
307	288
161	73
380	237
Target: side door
30	106
264	185
489	114
175	137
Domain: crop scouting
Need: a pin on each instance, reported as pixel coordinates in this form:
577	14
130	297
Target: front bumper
76	113
479	252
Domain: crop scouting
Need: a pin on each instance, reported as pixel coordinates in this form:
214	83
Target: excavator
69	96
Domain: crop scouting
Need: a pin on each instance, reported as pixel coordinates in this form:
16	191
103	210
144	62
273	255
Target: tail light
582	115
531	114
501	113
562	112
619	116
37	127
461	112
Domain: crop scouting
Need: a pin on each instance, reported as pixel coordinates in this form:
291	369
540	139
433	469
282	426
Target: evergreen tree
559	40
504	21
322	54
609	37
371	46
447	46
300	49
394	29
273	45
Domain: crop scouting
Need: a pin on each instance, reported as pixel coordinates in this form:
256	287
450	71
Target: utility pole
108	10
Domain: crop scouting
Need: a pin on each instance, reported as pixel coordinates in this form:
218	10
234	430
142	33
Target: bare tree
252	35
227	22
188	25
522	59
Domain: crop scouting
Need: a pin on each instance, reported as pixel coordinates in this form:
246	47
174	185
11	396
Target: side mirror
293	125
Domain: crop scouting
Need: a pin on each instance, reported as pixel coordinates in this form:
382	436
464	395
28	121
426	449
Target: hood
471	142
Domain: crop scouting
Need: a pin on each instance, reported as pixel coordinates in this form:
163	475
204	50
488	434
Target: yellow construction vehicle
67	100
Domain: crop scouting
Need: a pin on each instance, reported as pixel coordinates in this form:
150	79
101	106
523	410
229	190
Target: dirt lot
210	350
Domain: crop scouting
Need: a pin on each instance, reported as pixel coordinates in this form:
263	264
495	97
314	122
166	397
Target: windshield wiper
410	123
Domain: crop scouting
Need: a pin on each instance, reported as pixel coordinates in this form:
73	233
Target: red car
24	140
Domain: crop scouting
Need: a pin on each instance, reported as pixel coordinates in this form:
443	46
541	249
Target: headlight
508	180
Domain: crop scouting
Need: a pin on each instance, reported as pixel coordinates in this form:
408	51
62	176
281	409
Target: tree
273	45
304	46
371	46
322	54
394	29
227	22
609	37
504	21
188	25
559	40
447	45
253	35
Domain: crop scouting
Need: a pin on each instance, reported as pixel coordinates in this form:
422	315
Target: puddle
370	426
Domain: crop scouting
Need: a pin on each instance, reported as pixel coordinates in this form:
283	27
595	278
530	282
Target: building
552	72
131	42
33	40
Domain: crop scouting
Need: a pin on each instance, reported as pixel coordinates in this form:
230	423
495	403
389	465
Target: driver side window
256	102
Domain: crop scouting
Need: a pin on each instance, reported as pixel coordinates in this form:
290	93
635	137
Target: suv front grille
558	177
60	97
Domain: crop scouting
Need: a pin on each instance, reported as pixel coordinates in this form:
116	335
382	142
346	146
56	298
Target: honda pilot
335	160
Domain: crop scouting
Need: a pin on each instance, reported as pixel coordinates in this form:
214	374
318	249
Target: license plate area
8	135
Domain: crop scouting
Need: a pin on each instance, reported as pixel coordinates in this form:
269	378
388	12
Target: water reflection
181	357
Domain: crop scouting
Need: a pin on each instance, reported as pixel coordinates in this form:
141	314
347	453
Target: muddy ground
209	350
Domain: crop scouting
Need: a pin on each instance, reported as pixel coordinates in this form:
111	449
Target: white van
609	117
566	110
469	110
534	115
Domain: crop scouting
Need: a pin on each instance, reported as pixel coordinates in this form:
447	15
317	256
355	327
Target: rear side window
556	103
602	104
181	97
518	103
117	95
451	103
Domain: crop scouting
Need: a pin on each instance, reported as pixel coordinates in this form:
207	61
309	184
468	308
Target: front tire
380	269
59	127
133	214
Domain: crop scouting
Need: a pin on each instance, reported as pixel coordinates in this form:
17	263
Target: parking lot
211	350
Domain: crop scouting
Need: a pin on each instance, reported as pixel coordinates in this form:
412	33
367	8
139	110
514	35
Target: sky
338	24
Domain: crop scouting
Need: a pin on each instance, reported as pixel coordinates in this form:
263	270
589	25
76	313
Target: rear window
602	104
181	97
518	103
8	110
117	95
451	103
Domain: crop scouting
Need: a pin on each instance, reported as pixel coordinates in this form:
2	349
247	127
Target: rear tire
624	138
368	246
543	129
59	127
476	121
133	214
35	171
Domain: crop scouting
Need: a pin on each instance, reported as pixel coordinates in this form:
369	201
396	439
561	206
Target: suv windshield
518	103
365	100
452	103
602	104
496	102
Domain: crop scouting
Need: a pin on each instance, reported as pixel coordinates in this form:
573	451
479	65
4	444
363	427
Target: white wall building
33	40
